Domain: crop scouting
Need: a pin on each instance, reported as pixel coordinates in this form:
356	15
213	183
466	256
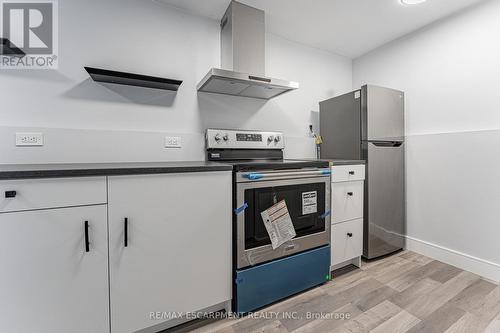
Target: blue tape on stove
241	208
325	214
267	283
253	176
326	172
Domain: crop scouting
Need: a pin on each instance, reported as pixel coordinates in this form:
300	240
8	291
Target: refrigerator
368	124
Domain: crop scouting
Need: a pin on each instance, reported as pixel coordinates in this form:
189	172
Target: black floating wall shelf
107	76
7	48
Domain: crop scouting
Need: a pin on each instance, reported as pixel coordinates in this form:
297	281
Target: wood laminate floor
406	292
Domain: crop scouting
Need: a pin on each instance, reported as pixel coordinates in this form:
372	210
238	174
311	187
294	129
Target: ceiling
346	27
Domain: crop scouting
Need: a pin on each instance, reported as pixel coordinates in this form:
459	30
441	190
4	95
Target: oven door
259	191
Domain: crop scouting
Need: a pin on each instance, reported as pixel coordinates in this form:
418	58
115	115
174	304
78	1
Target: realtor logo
32	27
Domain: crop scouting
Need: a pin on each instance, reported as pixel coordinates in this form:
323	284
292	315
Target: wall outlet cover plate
173	142
29	139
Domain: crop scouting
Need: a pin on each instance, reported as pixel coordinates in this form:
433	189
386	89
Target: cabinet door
178	253
48	282
347	241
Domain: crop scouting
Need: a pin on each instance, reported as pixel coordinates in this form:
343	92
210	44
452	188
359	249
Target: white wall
85	121
450	72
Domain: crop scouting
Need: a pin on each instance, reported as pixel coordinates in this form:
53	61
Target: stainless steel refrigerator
368	124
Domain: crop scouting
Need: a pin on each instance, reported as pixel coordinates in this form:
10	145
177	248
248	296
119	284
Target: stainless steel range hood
243	57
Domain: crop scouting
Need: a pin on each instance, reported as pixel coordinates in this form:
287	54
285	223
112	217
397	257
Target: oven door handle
257	175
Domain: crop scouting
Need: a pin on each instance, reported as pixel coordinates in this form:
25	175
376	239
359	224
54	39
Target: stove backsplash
91	146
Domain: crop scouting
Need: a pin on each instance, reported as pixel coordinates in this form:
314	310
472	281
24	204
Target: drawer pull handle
349	234
125	232
351	173
350	194
86	230
10	194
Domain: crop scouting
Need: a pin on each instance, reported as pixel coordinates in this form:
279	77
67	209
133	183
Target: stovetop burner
270	164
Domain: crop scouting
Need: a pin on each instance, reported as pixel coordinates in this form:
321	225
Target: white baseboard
485	268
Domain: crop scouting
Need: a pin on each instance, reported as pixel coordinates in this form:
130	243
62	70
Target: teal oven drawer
261	285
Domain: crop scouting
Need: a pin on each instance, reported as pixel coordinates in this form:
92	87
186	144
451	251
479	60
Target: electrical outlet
29	139
173	142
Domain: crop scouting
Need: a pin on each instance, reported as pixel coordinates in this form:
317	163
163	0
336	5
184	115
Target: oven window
306	216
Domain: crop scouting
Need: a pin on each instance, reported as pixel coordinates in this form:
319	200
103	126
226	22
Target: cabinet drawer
347	241
345	173
51	193
347	201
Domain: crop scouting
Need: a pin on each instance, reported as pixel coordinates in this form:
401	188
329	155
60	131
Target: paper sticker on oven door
309	202
278	224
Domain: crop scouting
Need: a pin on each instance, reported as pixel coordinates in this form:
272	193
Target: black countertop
18	171
344	162
23	171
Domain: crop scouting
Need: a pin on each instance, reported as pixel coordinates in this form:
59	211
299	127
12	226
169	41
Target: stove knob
277	139
270	138
217	137
225	137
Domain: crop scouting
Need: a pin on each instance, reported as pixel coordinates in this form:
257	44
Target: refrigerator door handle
387	143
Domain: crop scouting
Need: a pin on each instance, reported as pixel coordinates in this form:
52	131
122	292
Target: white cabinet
347	241
348	173
178	251
33	194
48	282
347	215
177	257
347	201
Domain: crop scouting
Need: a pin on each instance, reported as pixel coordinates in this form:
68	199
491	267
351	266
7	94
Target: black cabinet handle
125	232
10	194
350	194
351	173
349	234
87	244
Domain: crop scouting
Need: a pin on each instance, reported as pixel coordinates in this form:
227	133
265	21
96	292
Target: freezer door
340	127
384	212
382	114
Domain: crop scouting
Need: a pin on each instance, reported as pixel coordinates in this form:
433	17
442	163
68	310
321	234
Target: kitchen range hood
243	57
131	79
7	48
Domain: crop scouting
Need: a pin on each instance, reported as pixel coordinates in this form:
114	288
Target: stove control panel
243	139
248	137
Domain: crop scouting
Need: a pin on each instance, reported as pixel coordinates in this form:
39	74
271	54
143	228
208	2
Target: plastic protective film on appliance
258	256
